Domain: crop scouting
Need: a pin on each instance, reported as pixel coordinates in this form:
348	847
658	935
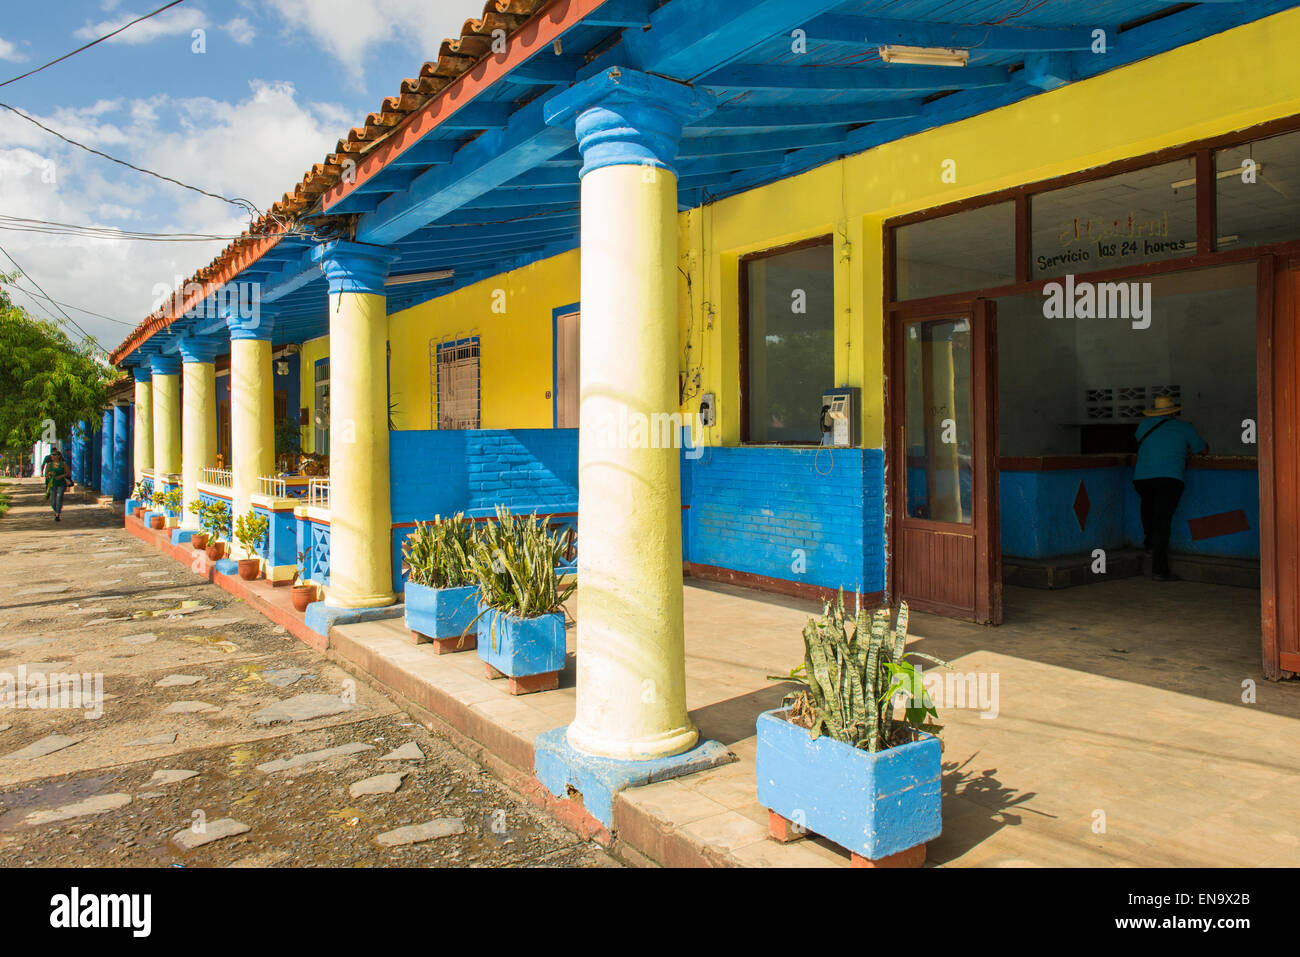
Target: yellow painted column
166	417
198	420
143	427
361	518
631	696
252	432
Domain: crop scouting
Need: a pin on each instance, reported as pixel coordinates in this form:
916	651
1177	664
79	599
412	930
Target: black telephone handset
827	424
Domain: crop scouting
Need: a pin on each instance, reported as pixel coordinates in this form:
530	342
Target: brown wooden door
947	556
223	432
1279	463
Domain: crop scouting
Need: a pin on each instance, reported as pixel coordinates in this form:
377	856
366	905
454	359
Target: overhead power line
107	36
24	225
97	315
243	204
72	322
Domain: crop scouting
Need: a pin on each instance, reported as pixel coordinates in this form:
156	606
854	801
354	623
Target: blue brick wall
755	510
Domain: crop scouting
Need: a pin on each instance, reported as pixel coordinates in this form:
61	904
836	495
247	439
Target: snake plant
853	669
513	562
437	553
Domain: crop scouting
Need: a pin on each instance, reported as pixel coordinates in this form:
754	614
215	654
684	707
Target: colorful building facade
757	292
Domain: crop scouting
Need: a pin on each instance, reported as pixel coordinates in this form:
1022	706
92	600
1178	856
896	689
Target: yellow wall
313	350
515	365
1226	82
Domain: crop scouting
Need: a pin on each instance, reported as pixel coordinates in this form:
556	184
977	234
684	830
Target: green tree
44	378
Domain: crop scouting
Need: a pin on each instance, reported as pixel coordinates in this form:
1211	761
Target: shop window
1258	192
788	342
1143	216
458	384
974	249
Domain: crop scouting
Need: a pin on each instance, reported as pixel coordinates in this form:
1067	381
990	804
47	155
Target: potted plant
440	604
216	521
837	759
198	540
139	498
304	594
158	520
520	598
173	501
250	529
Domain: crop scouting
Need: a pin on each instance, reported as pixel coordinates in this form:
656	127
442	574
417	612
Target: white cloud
255	148
177	21
9	52
240	30
348	29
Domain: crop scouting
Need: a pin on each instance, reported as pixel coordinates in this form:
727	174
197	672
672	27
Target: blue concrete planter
872	804
441	612
521	646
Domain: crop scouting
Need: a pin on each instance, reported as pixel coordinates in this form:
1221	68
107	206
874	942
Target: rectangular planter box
874	805
524	646
441	612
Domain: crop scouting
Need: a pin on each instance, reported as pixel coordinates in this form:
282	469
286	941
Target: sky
241	108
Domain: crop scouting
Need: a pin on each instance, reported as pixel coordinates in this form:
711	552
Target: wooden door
223	432
947	556
567	371
1278	358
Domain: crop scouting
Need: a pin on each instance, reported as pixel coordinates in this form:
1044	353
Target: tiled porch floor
1120	699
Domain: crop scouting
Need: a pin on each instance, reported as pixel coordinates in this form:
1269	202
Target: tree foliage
47	382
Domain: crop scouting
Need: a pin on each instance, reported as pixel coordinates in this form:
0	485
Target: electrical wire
89	338
97	315
243	204
107	36
48	227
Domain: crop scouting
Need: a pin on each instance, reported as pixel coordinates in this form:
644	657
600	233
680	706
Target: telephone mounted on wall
841	415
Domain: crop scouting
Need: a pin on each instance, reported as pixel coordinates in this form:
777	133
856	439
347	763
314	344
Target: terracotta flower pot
157	522
302	596
199	540
138	512
216	551
249	568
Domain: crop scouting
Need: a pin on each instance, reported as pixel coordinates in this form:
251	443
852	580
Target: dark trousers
56	498
1159	502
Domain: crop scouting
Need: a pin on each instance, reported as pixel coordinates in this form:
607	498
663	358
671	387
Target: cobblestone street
223	741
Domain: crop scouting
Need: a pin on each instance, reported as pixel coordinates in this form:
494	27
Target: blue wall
751	508
1038	518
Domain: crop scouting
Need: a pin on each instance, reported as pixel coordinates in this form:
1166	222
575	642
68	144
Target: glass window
458	384
1258	192
937	394
974	249
1144	216
790	343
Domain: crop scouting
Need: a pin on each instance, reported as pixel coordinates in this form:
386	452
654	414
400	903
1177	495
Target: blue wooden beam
621	13
484	115
479	166
536	196
891	78
759	142
459	231
1048	71
482	244
830	114
689	38
546	67
728	162
876	31
427	152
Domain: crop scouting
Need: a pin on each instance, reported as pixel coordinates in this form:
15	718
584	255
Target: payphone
841	416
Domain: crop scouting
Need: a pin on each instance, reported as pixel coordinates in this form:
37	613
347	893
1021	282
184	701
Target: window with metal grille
457	371
321	417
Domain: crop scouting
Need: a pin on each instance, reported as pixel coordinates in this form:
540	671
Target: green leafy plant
139	493
214	517
196	508
288	438
853	669
250	528
437	554
300	573
173	500
159	499
513	563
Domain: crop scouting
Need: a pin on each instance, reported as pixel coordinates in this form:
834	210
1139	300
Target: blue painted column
74	455
105	485
120	486
94	452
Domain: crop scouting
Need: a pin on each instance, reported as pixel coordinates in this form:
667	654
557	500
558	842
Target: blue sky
276	84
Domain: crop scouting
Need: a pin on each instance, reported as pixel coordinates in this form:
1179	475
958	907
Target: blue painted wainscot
521	647
872	804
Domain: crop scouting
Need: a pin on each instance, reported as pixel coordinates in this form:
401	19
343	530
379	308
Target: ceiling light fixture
1222	174
924	56
419	277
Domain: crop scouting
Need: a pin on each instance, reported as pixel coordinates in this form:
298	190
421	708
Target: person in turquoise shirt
1163	444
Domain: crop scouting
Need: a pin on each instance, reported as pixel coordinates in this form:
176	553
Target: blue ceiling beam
479	166
427	152
876	31
1048	71
830	114
622	13
888	78
546	67
729	162
492	245
536	196
689	38
467	233
485	115
759	142
388	181
543	176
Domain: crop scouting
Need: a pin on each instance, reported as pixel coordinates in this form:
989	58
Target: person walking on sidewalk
1163	443
57	479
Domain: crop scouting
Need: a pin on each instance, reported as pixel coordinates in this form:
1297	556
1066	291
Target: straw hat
1164	406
